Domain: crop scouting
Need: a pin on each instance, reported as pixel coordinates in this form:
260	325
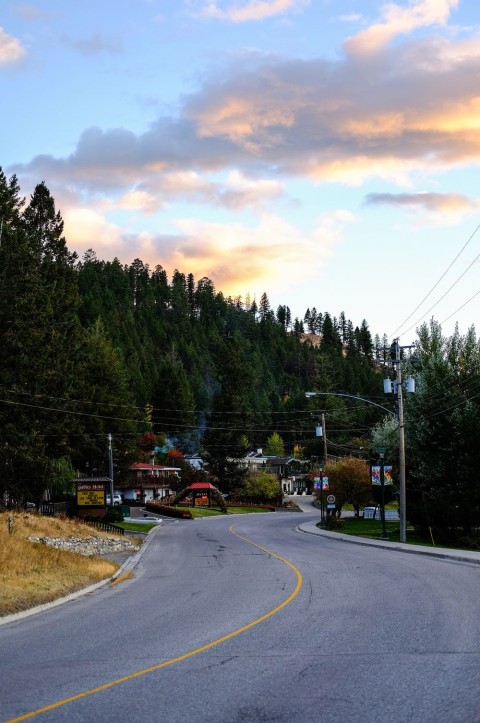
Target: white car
117	499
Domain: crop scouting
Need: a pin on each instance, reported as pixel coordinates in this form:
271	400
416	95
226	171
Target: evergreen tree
173	399
41	338
274	446
230	422
443	428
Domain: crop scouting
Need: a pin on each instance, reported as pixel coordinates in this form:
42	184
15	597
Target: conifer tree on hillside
41	334
98	335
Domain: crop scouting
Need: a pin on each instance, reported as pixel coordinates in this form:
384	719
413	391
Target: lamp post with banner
381	454
319	485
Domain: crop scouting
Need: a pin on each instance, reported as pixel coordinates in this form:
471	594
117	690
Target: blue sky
323	152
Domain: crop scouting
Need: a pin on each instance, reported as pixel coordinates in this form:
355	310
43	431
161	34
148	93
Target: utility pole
321	432
410	387
110	467
401	449
325	459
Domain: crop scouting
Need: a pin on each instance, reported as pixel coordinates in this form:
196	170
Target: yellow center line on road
185	656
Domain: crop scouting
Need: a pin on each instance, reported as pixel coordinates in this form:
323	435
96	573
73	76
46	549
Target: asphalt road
246	619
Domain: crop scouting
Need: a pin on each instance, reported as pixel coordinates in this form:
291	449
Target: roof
152	467
92	479
201	486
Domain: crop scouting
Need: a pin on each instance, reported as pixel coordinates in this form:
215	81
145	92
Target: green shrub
114	514
333	523
168	511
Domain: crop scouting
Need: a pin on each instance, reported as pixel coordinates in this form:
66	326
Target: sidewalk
470	556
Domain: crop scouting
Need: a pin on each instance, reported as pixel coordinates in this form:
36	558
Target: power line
435	286
461	307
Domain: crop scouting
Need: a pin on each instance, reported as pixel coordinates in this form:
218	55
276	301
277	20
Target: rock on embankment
87	546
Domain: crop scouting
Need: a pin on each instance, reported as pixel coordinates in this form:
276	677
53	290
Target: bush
333	523
114	514
168	511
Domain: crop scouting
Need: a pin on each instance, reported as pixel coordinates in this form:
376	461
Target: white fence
377	515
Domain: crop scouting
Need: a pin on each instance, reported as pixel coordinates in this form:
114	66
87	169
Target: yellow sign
91	498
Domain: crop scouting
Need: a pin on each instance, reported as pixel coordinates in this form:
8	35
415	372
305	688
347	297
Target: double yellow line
185	656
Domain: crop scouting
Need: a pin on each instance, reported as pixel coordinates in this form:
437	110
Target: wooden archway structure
201	489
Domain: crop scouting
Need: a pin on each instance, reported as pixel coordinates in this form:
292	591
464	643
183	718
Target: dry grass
33	574
121	578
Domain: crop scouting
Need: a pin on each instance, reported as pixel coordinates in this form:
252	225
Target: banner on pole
387	475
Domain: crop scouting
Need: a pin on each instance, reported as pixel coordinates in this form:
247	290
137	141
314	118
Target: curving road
246	619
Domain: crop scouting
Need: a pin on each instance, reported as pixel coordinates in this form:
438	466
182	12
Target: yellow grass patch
121	578
33	574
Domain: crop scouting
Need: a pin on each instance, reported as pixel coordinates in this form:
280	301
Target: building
149	482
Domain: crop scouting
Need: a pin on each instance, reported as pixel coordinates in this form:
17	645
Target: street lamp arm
350	396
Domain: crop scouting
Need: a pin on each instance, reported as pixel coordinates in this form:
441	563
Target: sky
325	152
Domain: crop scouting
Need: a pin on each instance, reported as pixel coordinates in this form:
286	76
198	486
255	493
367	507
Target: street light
389	386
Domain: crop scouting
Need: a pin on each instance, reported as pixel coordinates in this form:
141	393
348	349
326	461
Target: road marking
185	656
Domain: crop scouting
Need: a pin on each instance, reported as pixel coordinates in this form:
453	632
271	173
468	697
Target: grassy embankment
32	573
373	529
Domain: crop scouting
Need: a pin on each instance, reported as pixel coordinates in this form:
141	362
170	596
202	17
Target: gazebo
201	489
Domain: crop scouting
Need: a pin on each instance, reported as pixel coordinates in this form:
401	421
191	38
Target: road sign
331	499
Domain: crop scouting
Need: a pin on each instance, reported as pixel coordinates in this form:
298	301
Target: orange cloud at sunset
239	258
396	20
242	259
262	143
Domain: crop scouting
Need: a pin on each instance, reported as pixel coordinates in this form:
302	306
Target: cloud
11	49
417	107
396	20
242	258
427	209
352	18
382	116
430	201
94	45
30	12
87	228
249	10
236	191
237	257
412	107
140	200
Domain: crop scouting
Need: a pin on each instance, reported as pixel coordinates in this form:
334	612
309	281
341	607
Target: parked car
373	512
117	499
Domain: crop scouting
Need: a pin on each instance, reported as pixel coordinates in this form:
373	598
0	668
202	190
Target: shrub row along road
246	619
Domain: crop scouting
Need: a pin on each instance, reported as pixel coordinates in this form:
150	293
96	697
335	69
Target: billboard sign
91	494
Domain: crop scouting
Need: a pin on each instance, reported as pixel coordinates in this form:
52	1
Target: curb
126	567
470	556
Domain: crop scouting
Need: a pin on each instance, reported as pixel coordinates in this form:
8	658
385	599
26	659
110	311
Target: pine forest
92	348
